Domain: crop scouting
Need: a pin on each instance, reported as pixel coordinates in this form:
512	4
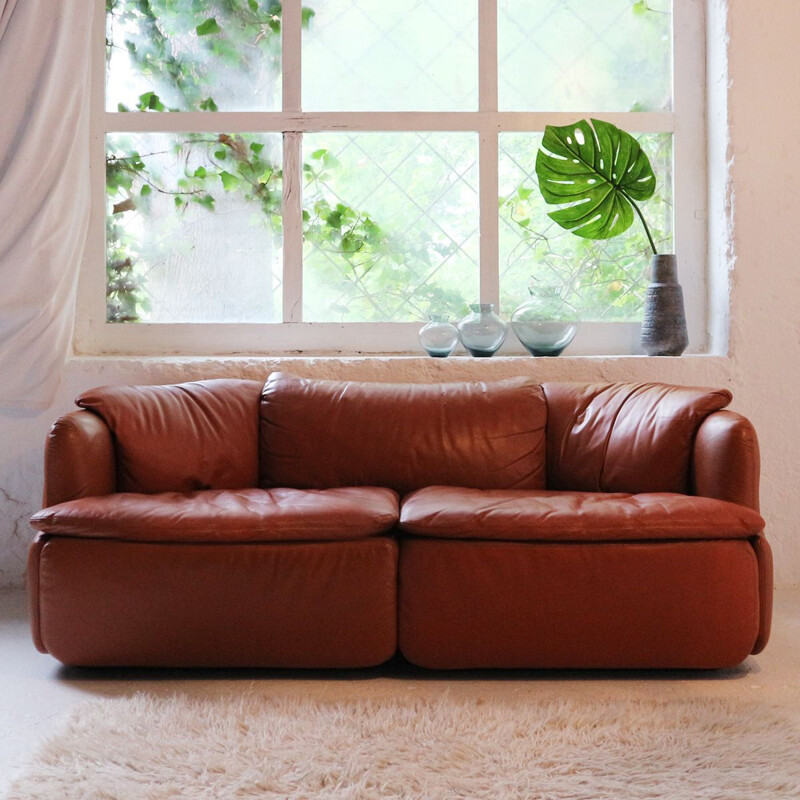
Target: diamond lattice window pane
584	55
373	55
391	225
164	55
193	227
602	280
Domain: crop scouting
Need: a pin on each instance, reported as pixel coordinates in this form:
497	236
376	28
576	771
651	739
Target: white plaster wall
764	339
764	117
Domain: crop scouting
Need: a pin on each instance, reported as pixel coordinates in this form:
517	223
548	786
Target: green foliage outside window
245	35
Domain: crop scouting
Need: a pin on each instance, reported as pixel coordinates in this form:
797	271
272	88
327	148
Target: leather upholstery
161	551
445	512
79	459
467	604
318	434
326	604
624	437
181	438
765	590
726	462
246	515
32	585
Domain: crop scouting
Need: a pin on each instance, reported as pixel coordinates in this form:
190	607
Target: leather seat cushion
245	515
445	512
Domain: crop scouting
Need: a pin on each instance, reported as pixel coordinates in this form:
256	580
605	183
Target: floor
35	691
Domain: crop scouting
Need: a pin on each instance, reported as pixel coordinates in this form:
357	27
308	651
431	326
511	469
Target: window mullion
292	227
488	153
291	57
91	318
292	164
487	55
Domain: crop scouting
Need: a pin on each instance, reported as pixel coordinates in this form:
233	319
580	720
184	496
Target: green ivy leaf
351	243
122	107
145	190
253	5
306	15
206	200
256	147
178	201
208	27
229	182
150	101
372	232
208	104
220	155
524	193
200	172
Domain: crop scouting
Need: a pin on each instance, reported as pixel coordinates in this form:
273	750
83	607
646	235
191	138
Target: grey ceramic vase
664	323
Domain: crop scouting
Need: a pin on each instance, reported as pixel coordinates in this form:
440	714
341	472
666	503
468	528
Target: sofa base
669	604
115	603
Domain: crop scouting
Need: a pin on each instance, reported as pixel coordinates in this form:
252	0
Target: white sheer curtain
44	189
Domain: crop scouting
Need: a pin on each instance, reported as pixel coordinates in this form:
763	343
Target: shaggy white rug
147	749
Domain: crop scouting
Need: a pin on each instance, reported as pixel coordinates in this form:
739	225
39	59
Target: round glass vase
482	332
546	323
439	336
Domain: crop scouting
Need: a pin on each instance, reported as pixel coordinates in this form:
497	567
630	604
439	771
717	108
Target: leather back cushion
182	438
319	434
624	437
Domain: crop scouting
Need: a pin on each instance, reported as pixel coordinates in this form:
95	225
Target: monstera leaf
599	171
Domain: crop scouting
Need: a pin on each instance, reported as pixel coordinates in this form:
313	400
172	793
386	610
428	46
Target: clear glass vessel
439	337
482	332
546	323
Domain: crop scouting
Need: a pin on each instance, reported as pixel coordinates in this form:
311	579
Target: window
319	176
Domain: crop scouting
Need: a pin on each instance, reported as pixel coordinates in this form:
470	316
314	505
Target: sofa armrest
726	463
78	459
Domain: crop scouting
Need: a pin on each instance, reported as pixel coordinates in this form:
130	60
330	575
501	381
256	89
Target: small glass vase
546	323
439	337
482	332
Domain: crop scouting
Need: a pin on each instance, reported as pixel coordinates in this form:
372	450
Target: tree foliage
179	49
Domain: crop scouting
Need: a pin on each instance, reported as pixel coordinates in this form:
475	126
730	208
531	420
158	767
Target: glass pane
391	225
168	56
602	280
380	56
585	55
193	227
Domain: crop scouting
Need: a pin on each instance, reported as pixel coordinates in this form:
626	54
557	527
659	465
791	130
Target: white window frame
293	337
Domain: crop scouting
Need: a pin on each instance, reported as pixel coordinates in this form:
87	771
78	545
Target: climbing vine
181	52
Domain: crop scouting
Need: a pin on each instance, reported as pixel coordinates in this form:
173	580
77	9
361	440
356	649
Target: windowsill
349	357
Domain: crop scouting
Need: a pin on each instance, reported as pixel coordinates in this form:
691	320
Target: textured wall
761	370
764	116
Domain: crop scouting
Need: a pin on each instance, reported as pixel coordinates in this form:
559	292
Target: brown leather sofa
328	524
